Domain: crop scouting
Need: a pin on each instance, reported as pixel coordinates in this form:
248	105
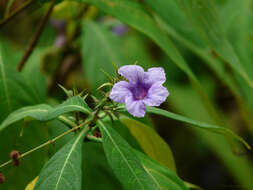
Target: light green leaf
212	128
152	144
63	170
124	162
45	112
75	103
165	178
192	186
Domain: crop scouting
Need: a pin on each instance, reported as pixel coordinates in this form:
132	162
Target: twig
93	138
16	12
50	141
36	37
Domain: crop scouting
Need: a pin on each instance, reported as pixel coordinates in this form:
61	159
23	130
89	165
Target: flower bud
97	134
2	178
15	156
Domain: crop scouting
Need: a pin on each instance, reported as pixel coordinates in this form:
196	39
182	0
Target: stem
16	12
50	141
93	138
36	37
67	121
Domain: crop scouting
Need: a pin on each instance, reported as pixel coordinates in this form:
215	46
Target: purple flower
120	30
143	88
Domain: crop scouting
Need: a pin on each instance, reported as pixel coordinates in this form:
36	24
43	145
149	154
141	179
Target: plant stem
67	121
50	141
36	37
93	138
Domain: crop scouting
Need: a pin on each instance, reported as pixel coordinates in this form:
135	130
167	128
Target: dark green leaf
212	128
165	178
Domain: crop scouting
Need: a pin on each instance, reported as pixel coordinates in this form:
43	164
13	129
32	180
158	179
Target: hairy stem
51	141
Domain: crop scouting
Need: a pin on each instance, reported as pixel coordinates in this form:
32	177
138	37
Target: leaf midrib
66	161
131	169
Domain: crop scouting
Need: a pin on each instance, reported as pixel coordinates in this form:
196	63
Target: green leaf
97	173
45	112
15	93
176	25
152	144
165	178
75	103
124	162
204	16
63	170
134	15
184	100
100	49
212	128
12	82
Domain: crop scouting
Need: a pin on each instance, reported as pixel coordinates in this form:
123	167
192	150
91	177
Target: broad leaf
203	14
212	128
45	112
124	162
97	173
63	170
16	92
152	144
100	49
164	178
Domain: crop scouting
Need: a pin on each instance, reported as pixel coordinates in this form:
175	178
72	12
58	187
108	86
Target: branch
36	37
50	141
16	12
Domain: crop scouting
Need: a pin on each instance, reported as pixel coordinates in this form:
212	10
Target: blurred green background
205	46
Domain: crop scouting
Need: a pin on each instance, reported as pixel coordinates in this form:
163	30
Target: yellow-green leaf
152	144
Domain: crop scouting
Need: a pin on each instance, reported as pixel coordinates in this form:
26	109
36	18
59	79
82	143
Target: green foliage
63	170
90	142
100	49
152	144
125	164
202	125
45	112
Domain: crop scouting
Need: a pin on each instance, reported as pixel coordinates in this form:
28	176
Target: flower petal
136	108
133	73
120	91
156	74
157	94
